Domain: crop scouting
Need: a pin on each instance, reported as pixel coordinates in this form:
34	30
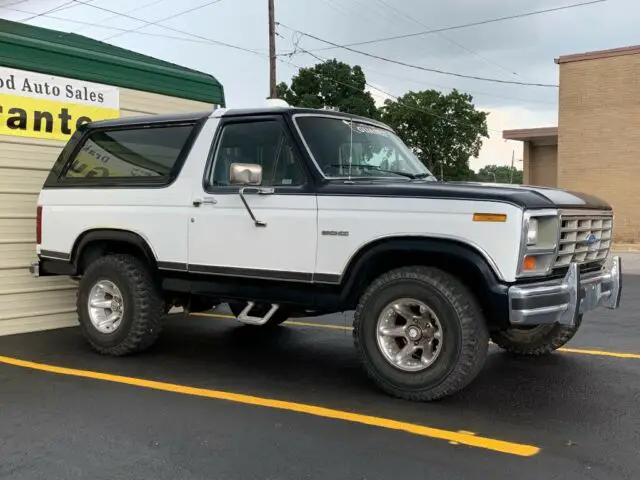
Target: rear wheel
420	333
119	306
535	341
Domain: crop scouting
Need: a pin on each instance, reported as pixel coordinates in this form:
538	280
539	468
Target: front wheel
421	333
534	341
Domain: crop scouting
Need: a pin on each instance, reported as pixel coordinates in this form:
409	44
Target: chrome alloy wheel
106	306
409	335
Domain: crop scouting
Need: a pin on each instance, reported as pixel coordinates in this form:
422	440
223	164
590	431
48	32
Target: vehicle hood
558	197
524	196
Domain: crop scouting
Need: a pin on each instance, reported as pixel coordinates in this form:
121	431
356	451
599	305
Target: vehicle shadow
320	366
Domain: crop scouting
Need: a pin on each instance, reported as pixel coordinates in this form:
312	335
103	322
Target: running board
244	316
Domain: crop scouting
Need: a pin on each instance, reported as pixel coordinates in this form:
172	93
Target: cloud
520	49
498	151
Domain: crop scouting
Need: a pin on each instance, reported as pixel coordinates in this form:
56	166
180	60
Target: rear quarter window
138	154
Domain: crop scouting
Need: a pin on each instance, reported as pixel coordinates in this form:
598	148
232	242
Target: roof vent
277	102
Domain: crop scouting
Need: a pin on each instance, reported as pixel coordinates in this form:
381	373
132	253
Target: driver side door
223	238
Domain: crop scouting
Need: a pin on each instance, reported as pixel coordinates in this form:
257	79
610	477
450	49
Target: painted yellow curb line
580	351
462	438
600	353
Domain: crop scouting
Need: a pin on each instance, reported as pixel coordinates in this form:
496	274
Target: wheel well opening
463	269
99	248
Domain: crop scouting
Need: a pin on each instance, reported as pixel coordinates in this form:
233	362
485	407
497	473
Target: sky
520	50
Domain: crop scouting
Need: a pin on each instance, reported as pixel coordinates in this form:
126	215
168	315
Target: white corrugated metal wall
28	304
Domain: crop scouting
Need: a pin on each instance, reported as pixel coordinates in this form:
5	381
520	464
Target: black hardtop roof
239	112
232	112
148	120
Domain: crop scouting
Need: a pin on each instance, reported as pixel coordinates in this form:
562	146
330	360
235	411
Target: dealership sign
48	107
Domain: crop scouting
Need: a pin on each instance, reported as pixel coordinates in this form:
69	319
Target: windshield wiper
378	169
424	175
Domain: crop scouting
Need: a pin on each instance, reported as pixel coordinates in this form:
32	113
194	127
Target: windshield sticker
368	129
372	130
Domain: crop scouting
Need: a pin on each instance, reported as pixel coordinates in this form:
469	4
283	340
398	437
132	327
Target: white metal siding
28	304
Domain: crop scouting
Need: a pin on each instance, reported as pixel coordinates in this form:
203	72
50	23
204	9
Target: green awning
70	55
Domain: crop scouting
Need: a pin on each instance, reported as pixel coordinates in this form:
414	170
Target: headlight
539	243
532	232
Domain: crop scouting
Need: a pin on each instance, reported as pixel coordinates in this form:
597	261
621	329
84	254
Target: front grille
584	239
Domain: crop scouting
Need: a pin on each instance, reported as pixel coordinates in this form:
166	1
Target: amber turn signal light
529	263
489	217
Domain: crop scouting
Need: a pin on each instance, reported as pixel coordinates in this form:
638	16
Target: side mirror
245	174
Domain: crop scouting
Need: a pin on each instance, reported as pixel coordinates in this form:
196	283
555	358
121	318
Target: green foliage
444	130
330	84
499	174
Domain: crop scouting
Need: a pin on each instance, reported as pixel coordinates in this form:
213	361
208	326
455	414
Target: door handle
204	201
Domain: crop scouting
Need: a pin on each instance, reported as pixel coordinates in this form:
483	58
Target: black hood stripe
524	197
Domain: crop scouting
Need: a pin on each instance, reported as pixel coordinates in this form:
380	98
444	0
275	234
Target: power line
64	6
397	99
414	80
175	15
364	14
473	92
418	67
90	24
453	42
140	7
216	42
464	25
14	3
373	87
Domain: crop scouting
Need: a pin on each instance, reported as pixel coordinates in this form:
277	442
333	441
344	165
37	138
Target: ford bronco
284	212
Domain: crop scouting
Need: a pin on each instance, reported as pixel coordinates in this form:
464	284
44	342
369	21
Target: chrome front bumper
563	301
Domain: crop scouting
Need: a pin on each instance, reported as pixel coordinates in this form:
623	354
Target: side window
130	153
265	143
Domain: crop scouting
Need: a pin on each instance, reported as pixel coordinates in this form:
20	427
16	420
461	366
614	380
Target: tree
443	130
499	174
330	84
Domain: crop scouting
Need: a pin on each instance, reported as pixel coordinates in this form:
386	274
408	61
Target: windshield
345	149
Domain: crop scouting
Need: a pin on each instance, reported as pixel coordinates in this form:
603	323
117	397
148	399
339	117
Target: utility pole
272	50
513	153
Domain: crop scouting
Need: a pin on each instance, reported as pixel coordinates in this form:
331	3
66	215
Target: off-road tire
281	315
143	305
537	341
465	335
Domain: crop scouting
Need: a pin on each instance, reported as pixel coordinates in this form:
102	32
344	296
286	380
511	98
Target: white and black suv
284	212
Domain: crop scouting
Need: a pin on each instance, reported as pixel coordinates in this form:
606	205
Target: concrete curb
626	247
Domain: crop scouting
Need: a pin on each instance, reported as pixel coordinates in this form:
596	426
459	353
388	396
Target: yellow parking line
579	351
288	322
213	315
463	438
318	325
600	353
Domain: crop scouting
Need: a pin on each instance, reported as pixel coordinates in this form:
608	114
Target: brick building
596	146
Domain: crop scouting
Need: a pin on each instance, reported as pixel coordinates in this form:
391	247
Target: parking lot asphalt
218	400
